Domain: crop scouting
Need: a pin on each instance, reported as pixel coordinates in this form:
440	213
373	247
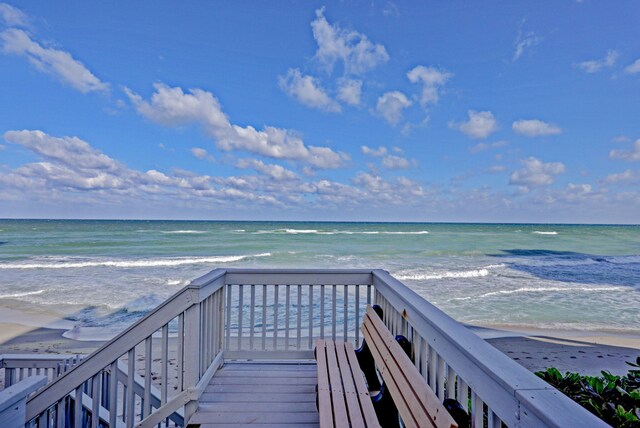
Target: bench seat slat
353	405
419	402
368	412
324	393
335	384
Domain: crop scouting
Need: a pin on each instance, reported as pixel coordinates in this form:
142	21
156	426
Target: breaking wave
140	263
339	232
26	293
539	232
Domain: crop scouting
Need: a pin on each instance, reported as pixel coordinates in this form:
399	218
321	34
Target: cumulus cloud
396	162
535	128
593	66
432	81
370	151
350	91
633	68
353	49
307	91
536	173
480	125
13	17
70	164
627	155
52	61
390	106
173	107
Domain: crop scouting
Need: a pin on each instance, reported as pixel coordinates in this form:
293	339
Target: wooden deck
260	395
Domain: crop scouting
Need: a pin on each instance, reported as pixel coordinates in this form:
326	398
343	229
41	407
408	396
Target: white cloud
480	125
523	42
630	155
354	49
536	173
350	91
633	68
432	81
535	128
13	17
201	153
497	169
71	165
395	162
370	151
53	61
390	106
276	172
173	107
593	66
307	91
626	176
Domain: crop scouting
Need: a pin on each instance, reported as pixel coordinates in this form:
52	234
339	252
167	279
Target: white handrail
512	393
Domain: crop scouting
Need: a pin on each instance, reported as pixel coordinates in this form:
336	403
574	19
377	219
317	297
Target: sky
493	111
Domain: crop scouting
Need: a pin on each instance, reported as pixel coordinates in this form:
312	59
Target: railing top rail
510	375
299	276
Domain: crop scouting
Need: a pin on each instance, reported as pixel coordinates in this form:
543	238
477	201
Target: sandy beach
583	352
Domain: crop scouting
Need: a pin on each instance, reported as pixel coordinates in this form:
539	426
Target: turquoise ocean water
100	276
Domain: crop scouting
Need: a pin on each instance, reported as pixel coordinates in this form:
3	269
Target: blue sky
380	111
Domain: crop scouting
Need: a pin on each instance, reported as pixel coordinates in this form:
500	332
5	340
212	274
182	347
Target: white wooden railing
18	367
262	313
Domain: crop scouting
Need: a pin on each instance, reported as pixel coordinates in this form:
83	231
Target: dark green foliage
614	399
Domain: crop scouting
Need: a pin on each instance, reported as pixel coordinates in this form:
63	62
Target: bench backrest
417	404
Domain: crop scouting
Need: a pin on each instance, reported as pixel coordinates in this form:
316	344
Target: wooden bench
343	399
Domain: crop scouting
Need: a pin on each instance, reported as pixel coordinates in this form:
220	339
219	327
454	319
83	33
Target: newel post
191	352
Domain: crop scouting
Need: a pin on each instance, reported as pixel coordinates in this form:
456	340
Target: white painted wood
146	408
164	365
77	409
442	375
95	401
345	314
310	344
264	317
548	408
322	313
180	362
275	315
228	312
252	315
240	314
299	319
287	303
357	320
130	404
113	393
13	400
333	311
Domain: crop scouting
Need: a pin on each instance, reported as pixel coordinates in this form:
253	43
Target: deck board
260	395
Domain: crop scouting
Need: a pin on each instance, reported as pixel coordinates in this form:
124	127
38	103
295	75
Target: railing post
191	354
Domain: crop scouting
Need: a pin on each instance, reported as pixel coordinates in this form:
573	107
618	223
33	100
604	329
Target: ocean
96	277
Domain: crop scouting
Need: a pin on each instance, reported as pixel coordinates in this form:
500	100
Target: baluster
228	325
61	413
180	351
77	408
322	311
131	398
95	401
451	382
146	409
478	411
357	320
432	368
252	315
311	316
275	316
369	294
299	318
424	369
286	315
345	321
333	311
264	317
113	394
240	314
164	361
463	394
442	374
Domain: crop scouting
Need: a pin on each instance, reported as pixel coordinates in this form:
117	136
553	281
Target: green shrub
614	399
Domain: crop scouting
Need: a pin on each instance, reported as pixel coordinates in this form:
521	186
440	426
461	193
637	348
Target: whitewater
103	275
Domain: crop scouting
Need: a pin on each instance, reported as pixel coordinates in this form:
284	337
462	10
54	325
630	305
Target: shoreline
535	349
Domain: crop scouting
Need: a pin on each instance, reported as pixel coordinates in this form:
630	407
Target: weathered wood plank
258	407
253	398
324	388
295	425
260	389
251	417
364	398
351	398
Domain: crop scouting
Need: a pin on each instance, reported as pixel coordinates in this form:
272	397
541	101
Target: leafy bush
614	399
